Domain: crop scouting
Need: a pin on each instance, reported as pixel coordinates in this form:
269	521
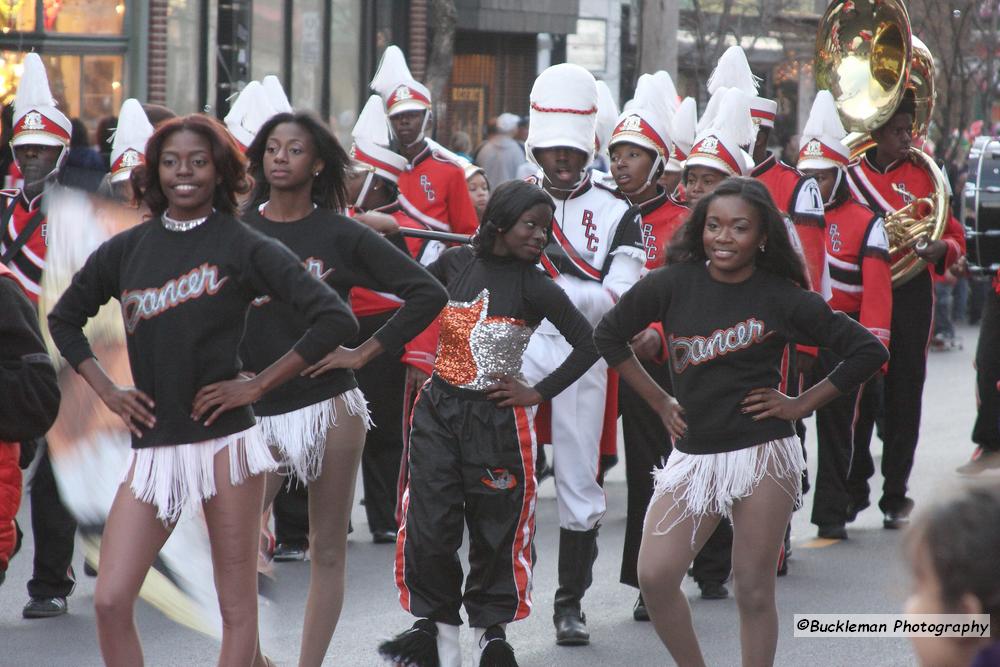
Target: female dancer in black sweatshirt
185	279
299	171
734	297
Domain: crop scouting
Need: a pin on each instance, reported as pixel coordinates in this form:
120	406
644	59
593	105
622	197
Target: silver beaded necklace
183	225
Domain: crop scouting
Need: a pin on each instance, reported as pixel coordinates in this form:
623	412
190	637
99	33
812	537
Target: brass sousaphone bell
868	58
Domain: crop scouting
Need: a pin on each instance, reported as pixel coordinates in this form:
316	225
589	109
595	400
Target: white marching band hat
733	71
682	132
249	112
128	145
396	86
276	94
607	117
822	145
36	120
371	140
563	110
642	123
722	135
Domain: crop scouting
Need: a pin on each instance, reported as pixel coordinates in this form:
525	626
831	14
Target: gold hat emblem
631	124
403	93
814	149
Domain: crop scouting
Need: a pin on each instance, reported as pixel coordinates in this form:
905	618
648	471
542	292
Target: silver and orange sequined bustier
475	350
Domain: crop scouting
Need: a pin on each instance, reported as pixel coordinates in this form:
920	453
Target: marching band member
595	255
640	148
858	252
391	380
432	181
40	143
683	129
886	178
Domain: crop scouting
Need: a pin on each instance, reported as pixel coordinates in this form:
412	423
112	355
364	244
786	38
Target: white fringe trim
708	484
179	477
300	436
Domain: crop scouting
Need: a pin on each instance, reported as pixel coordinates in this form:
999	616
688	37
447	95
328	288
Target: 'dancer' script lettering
146	304
699	349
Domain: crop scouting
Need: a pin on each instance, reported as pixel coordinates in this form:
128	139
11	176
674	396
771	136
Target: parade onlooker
951	549
736	297
195	443
461	145
479	187
84	167
501	155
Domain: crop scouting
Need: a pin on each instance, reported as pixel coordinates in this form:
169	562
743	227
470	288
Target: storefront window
307	54
183	55
345	64
17	15
87	17
267	38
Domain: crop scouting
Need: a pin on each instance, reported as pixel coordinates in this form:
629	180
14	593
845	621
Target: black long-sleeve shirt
495	304
344	254
725	339
28	386
184	299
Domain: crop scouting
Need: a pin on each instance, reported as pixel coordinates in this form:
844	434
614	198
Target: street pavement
864	574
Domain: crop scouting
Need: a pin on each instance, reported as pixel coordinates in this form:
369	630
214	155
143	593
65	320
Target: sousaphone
868	58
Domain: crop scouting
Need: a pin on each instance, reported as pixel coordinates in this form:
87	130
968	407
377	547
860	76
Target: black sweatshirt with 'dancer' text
342	253
725	339
184	299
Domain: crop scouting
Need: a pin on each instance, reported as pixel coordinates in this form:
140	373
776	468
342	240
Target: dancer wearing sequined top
472	447
185	279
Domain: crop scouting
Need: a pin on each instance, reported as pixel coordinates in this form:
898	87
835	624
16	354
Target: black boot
577	553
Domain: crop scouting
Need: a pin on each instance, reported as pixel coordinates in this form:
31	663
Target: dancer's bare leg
663	562
132	538
233	518
759	522
331	497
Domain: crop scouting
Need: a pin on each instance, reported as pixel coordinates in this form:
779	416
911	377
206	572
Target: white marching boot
449	648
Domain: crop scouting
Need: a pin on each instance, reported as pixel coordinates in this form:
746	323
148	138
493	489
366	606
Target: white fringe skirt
299	436
179	477
708	484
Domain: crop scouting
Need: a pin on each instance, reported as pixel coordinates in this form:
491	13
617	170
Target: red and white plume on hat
720	137
371	140
249	112
646	119
733	71
276	94
563	110
36	118
607	116
128	146
682	131
396	86
822	145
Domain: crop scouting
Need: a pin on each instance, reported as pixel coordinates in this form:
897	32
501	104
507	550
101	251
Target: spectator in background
461	145
84	167
479	187
501	155
105	132
521	134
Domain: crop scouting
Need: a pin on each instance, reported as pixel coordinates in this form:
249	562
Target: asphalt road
864	574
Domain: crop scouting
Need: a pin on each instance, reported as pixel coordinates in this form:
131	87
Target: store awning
554	16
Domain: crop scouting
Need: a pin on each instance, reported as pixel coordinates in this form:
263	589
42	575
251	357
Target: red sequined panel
455	362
